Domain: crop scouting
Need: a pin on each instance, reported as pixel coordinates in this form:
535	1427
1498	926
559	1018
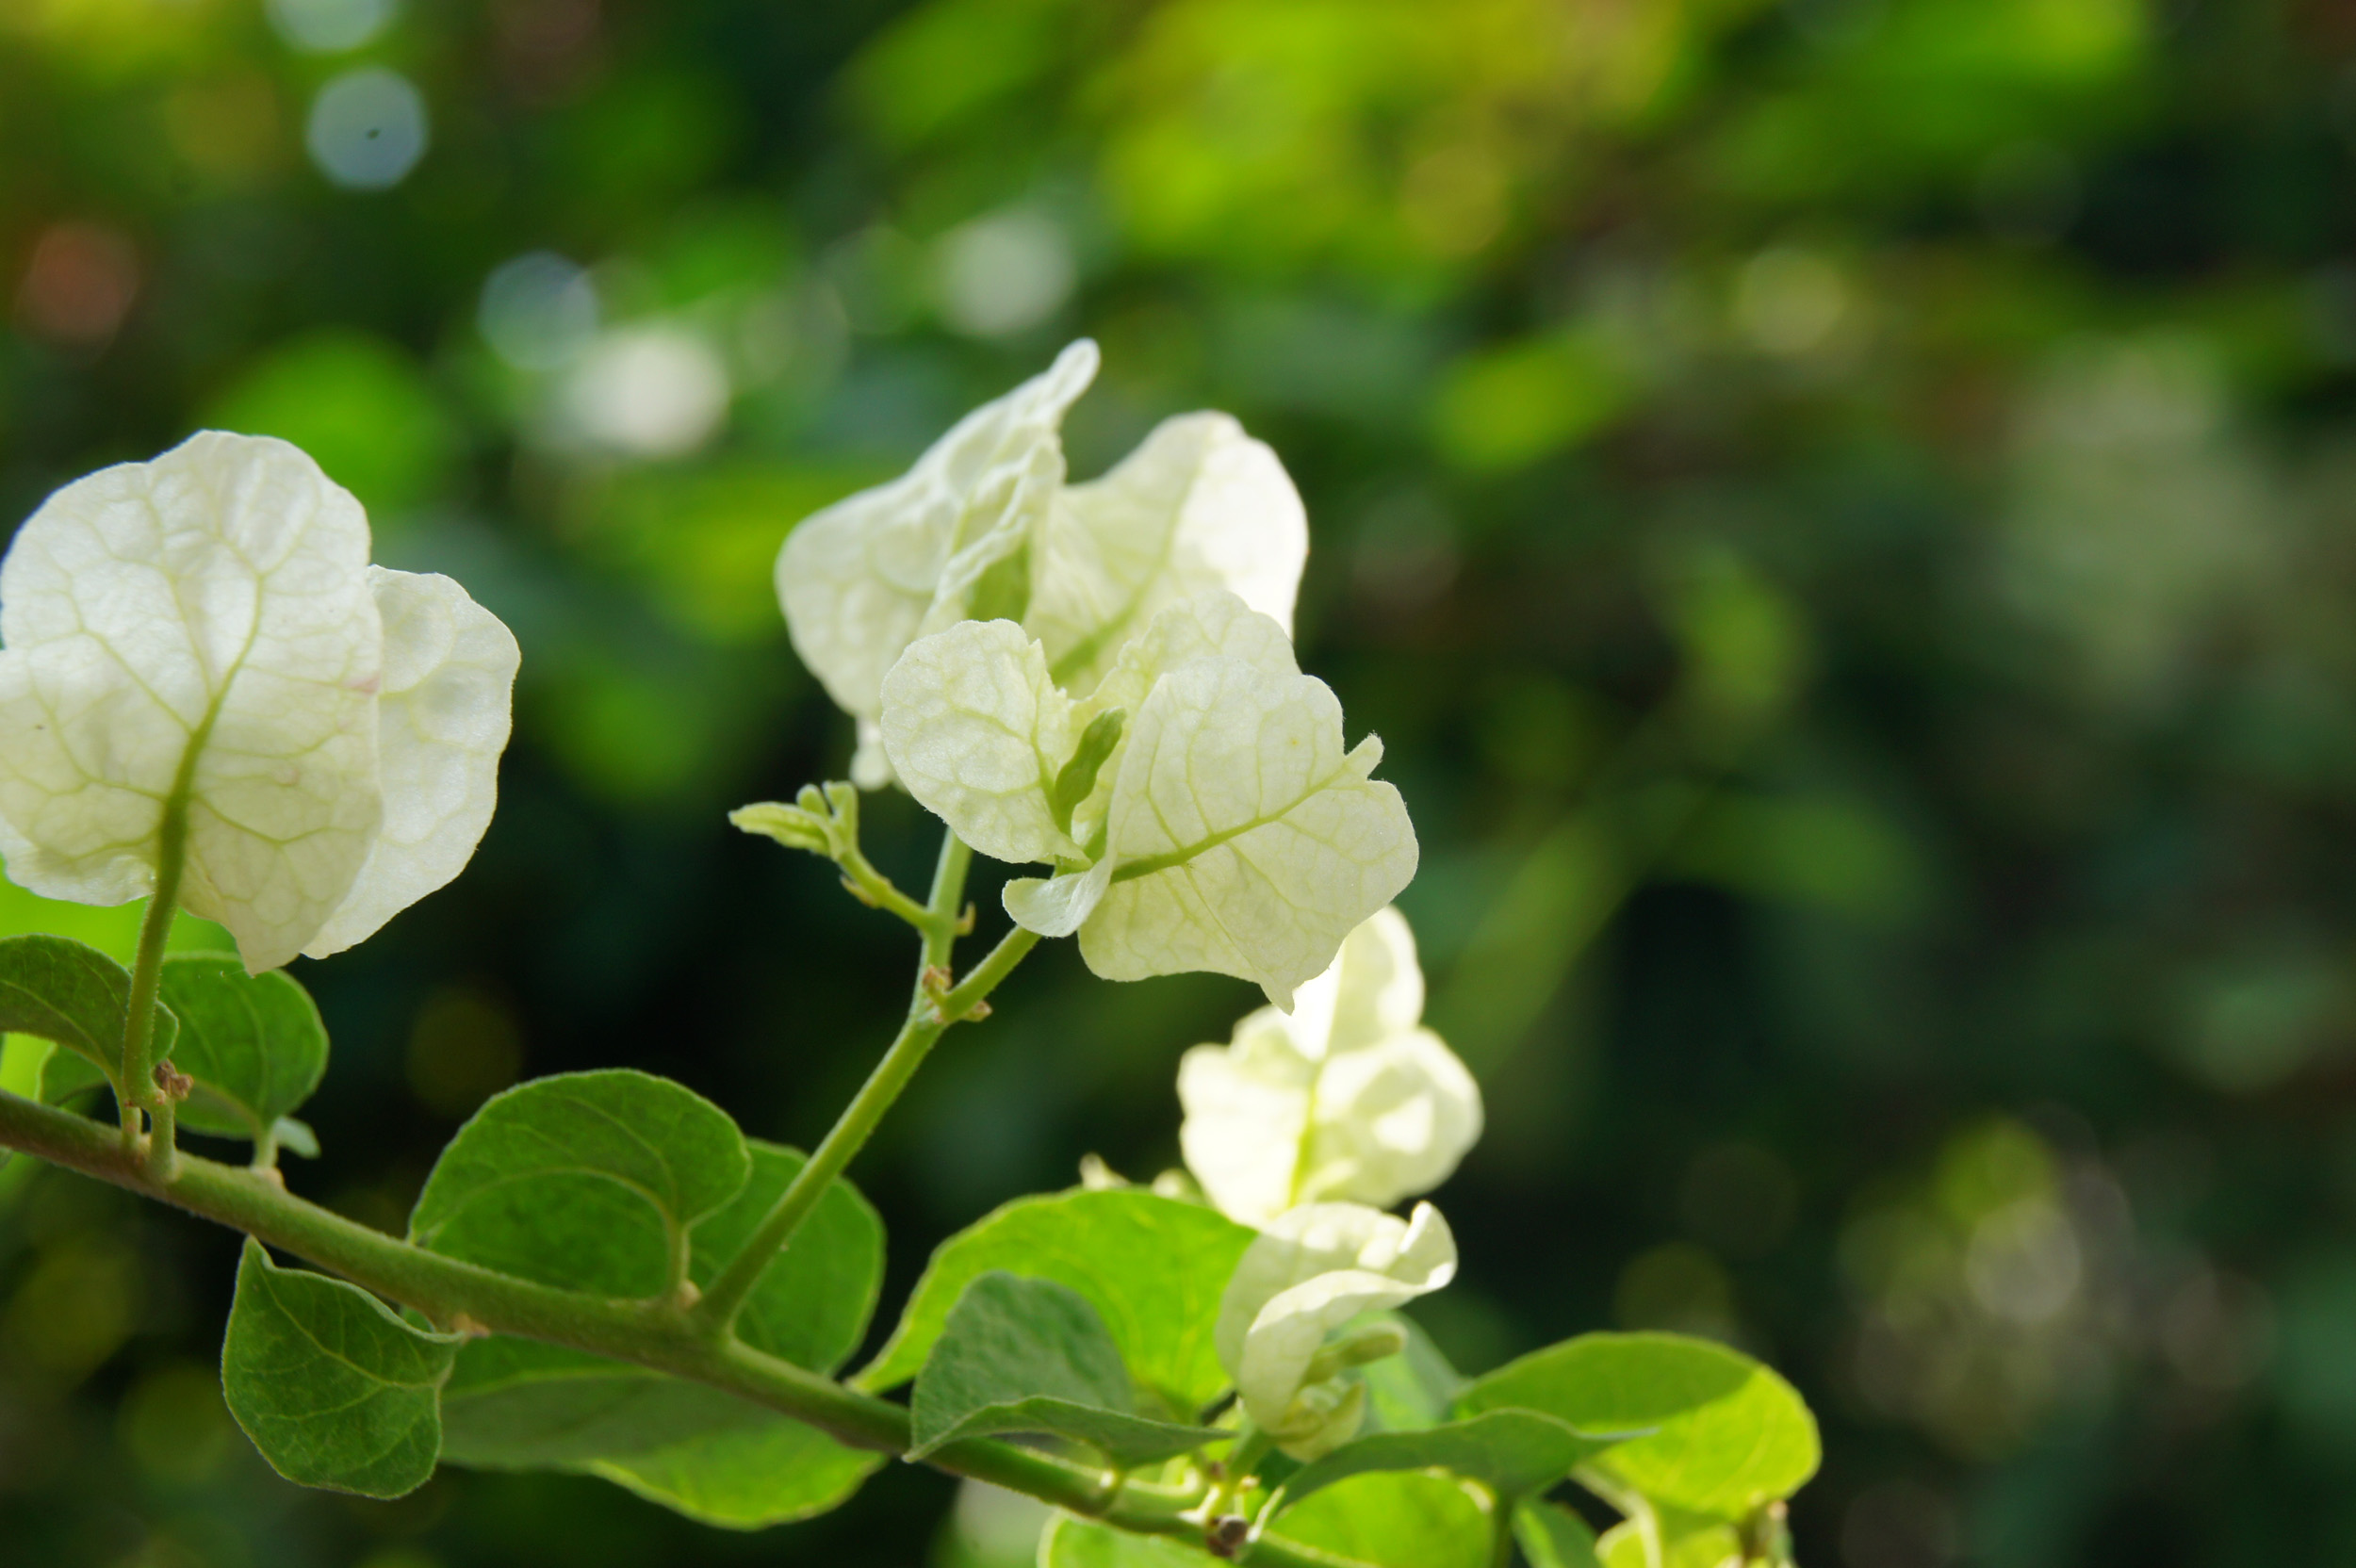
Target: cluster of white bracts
1306	1126
977	615
206	629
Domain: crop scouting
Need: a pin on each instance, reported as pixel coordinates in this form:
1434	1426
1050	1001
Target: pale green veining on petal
979	733
865	577
1346	1099
442	721
1311	1270
199	623
1248	842
1198	505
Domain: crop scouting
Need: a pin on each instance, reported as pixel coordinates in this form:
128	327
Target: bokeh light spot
538	311
330	26
649	391
78	285
367	129
1003	273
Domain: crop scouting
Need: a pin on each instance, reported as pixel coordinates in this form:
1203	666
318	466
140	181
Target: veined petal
199	623
1346	1100
442	721
1057	906
977	733
1198	505
1312	1270
866	577
1373	989
1393	1119
1246	841
1246	1118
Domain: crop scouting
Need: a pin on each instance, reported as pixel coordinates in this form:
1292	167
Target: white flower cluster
1100	677
1346	1099
197	648
1306	1127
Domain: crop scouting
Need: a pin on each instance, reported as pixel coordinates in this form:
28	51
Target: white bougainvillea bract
204	634
1345	1097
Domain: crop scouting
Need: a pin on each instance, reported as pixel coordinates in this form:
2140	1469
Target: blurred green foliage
1839	510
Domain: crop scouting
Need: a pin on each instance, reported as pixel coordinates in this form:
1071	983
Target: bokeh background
1843	510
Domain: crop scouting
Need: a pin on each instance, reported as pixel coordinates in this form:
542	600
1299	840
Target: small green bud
789	824
1078	778
1375	1342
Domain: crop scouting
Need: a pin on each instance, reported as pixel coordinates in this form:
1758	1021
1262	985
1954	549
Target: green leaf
1552	1536
1153	1267
1512	1452
1415	1388
71	994
1388	1521
586	1180
518	1404
814	1301
64	1075
253	1042
1395	1520
1704	1546
331	1386
771	1473
1076	1542
1032	1356
1727	1434
1077	780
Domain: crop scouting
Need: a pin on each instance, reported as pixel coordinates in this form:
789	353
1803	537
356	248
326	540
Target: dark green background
1841	513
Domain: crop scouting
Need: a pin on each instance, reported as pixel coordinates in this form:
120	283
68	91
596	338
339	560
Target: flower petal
977	733
864	578
1198	505
442	721
1248	842
200	622
1312	1270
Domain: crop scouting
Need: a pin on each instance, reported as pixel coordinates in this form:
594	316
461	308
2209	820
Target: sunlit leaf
979	734
1512	1452
1727	1434
442	721
1020	1355
205	623
1551	1535
1246	839
1153	1266
1198	505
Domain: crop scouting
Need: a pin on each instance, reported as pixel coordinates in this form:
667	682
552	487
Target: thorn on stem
861	893
965	921
460	1323
974	1014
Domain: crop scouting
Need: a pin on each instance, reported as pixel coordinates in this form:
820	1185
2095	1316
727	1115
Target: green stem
137	1065
882	890
1500	1530
971	991
940	906
643	1335
716	1313
727	1295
